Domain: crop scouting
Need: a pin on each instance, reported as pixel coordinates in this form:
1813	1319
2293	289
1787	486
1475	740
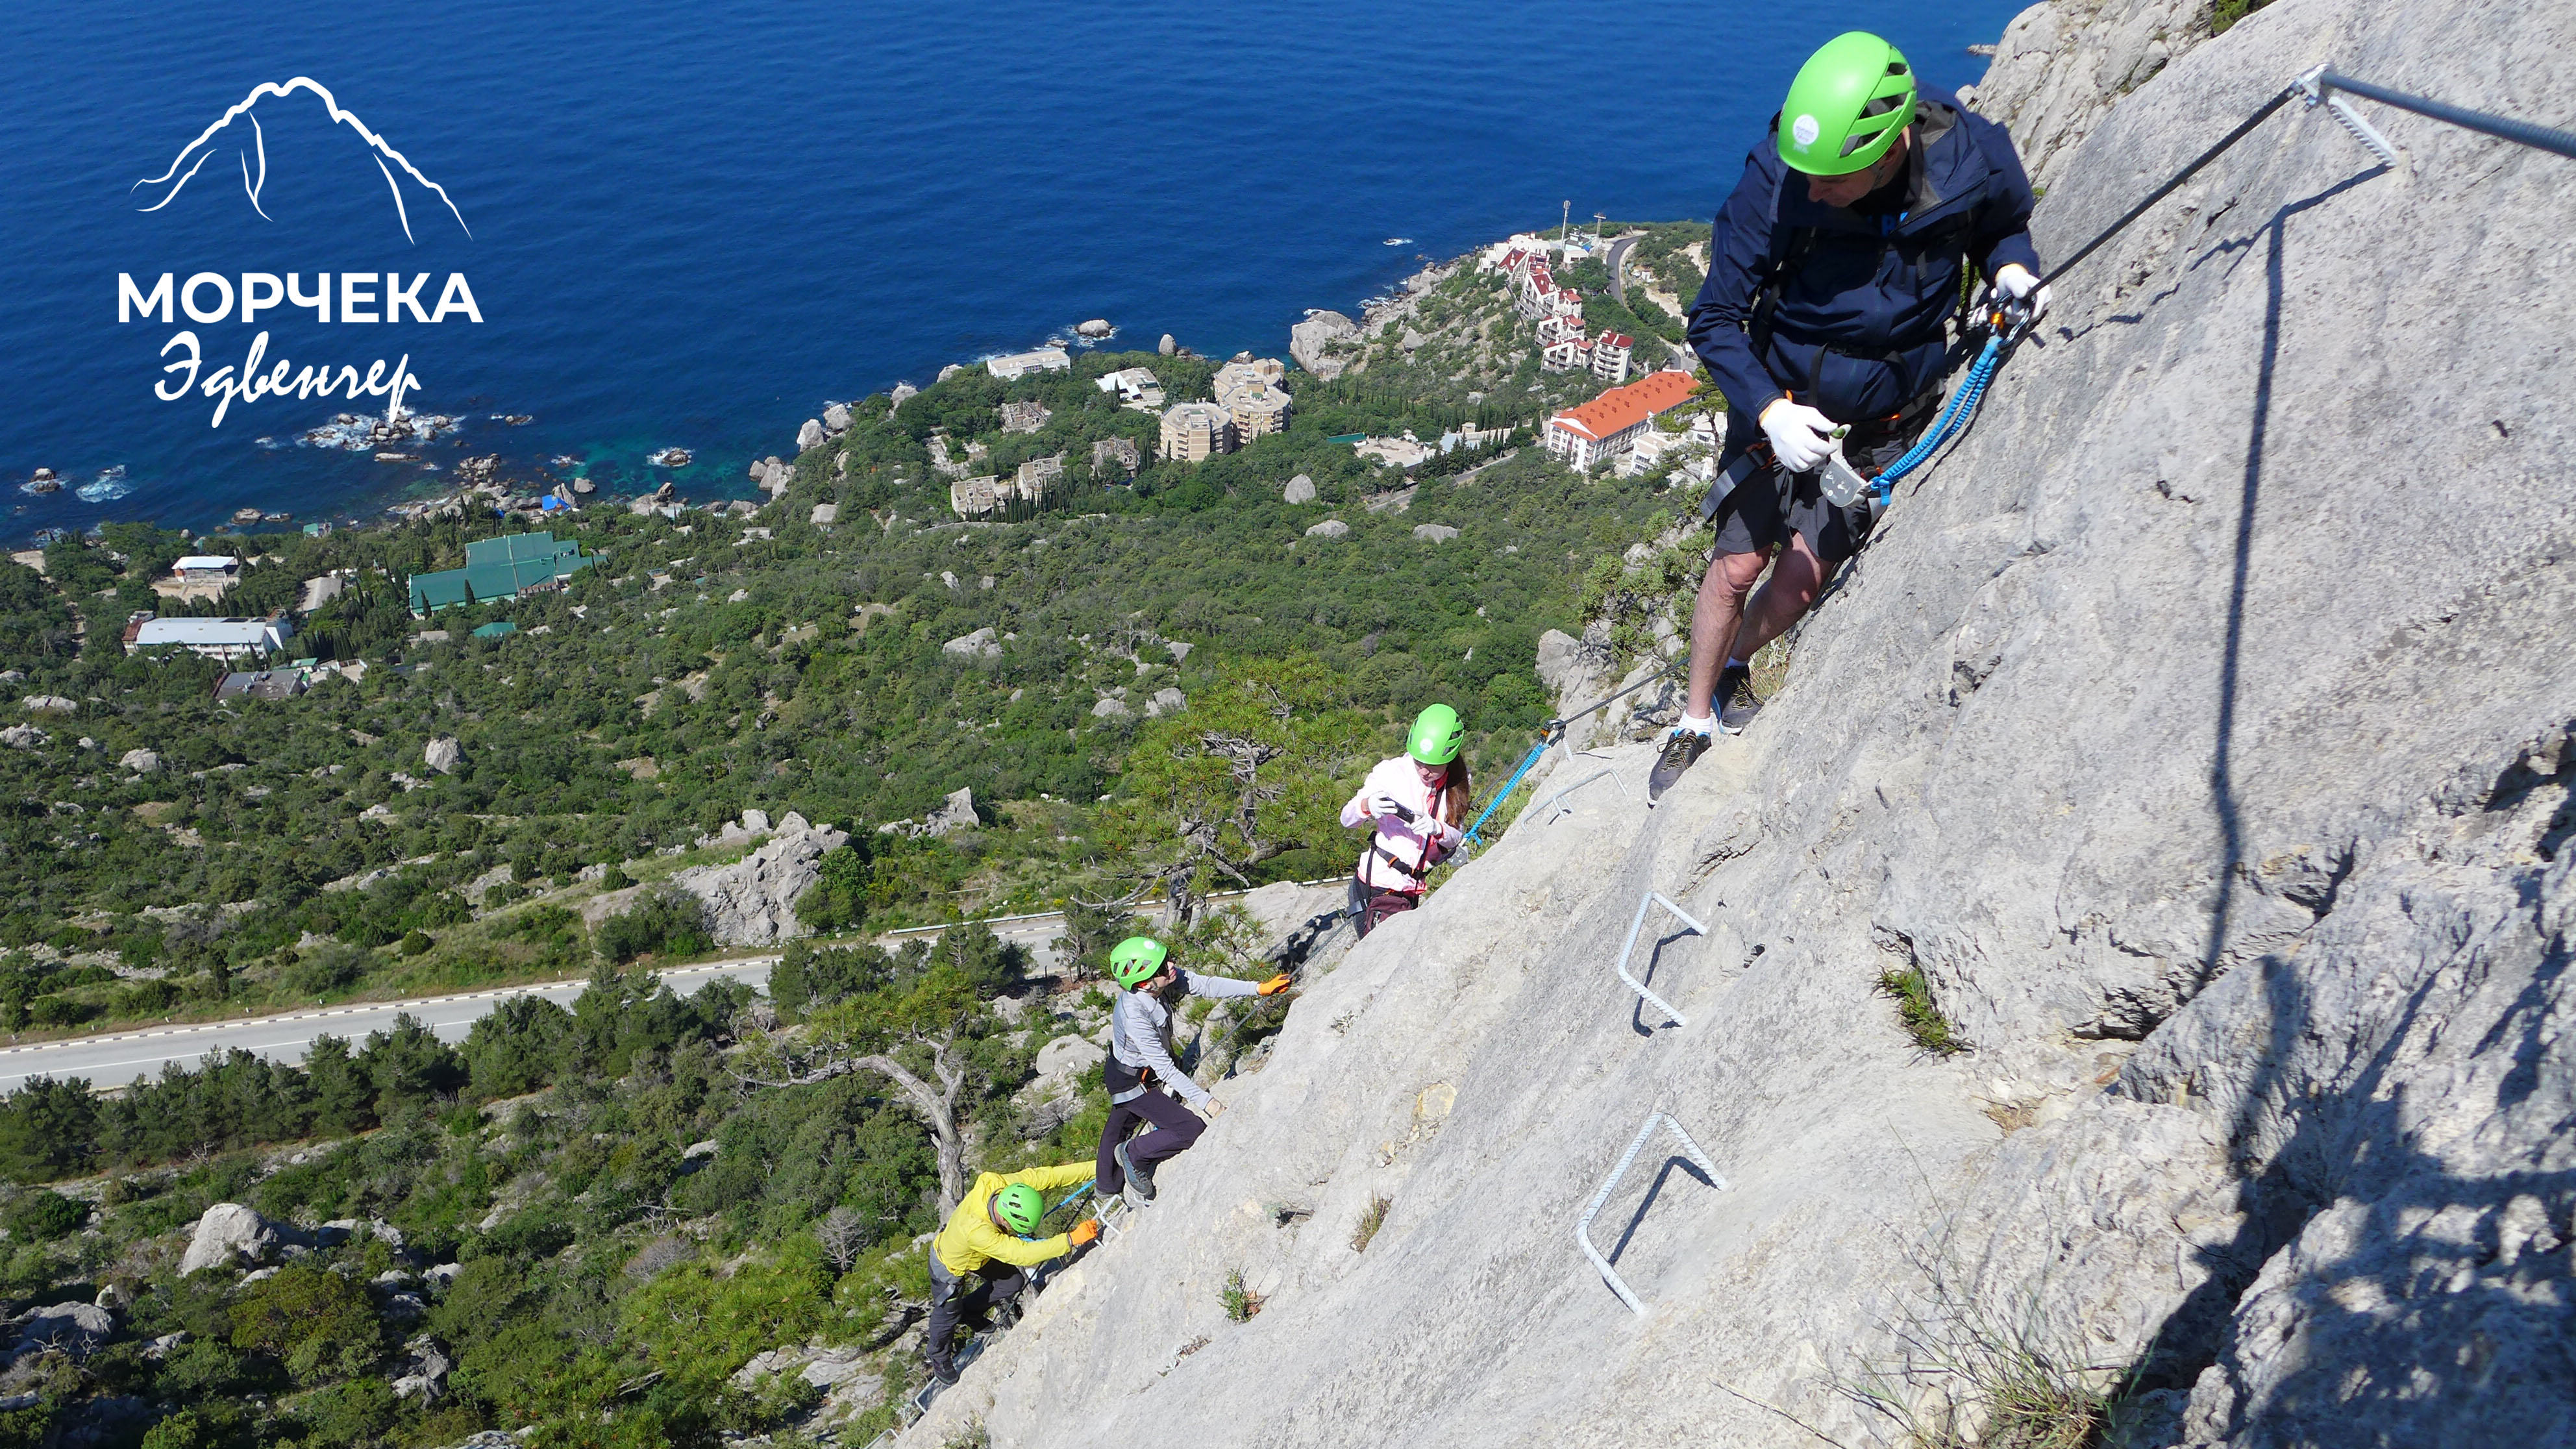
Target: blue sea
697	224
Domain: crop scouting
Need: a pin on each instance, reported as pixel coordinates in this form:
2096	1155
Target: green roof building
496	629
498	568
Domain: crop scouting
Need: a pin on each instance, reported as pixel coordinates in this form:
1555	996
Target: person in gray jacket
1140	1067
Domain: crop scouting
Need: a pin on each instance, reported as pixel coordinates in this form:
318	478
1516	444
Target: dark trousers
953	1298
1175	1128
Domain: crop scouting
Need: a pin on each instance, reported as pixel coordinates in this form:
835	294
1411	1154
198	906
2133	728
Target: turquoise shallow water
695	224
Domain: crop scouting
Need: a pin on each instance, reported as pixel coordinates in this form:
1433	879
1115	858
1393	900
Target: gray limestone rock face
444	755
2063	64
1434	532
1180	650
904	392
1308	340
50	704
1300	489
22	737
228	1234
1166	700
836	418
824	515
752	902
141	762
1110	709
1329	528
2215	771
1167	346
811	435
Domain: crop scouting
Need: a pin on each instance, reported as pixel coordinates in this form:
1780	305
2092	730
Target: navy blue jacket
1858	329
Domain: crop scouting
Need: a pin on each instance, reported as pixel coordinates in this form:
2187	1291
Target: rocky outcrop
229	1235
1166	700
984	643
1110	708
444	755
810	436
140	761
1434	532
1329	528
2216	775
22	737
752	902
958	813
2063	64
1309	342
1300	489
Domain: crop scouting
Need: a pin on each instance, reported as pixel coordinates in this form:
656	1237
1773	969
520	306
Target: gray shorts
1769	505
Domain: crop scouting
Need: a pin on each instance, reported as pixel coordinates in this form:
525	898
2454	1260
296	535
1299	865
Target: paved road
117	1059
1618	259
114	1061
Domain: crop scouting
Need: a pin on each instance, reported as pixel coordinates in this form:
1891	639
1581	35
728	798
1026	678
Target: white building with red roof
1604	427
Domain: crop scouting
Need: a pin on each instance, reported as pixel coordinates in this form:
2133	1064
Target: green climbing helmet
1847	106
1019	1207
1133	960
1436	735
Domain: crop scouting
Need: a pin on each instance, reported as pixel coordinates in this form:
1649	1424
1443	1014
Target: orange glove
1276	984
1084	1232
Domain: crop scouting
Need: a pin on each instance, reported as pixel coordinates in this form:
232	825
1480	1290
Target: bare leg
1785	599
1718	616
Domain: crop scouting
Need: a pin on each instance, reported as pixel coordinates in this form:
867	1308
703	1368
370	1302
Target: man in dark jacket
1833	274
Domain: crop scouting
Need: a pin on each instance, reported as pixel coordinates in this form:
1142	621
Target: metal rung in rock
1654	898
1583	1225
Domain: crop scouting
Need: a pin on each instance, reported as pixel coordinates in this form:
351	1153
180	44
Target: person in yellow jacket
986	1241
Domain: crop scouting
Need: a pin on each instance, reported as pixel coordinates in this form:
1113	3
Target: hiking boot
1140	1179
1736	702
942	1368
1681	751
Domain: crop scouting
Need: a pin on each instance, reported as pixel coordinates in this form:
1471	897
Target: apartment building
1604	427
1193	432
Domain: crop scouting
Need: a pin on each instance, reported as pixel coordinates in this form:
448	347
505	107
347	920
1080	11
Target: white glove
1383	805
1800	436
2015	281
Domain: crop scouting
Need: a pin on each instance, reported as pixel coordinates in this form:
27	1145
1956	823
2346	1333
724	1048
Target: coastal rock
228	1235
1167	346
905	392
836	418
141	762
444	755
958	813
2063	64
1308	341
1110	708
1300	489
1329	528
22	737
984	643
824	515
752	902
1166	700
1434	532
951	370
810	436
1097	327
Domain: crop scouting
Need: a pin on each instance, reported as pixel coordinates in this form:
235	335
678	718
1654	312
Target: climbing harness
2009	319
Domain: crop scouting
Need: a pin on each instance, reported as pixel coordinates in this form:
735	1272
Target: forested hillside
589	1221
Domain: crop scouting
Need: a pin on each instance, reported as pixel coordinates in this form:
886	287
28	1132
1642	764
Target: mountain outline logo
380	150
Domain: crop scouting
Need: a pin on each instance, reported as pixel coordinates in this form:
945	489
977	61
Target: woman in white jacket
1416	806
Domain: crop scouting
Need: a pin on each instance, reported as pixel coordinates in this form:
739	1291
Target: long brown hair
1456	792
